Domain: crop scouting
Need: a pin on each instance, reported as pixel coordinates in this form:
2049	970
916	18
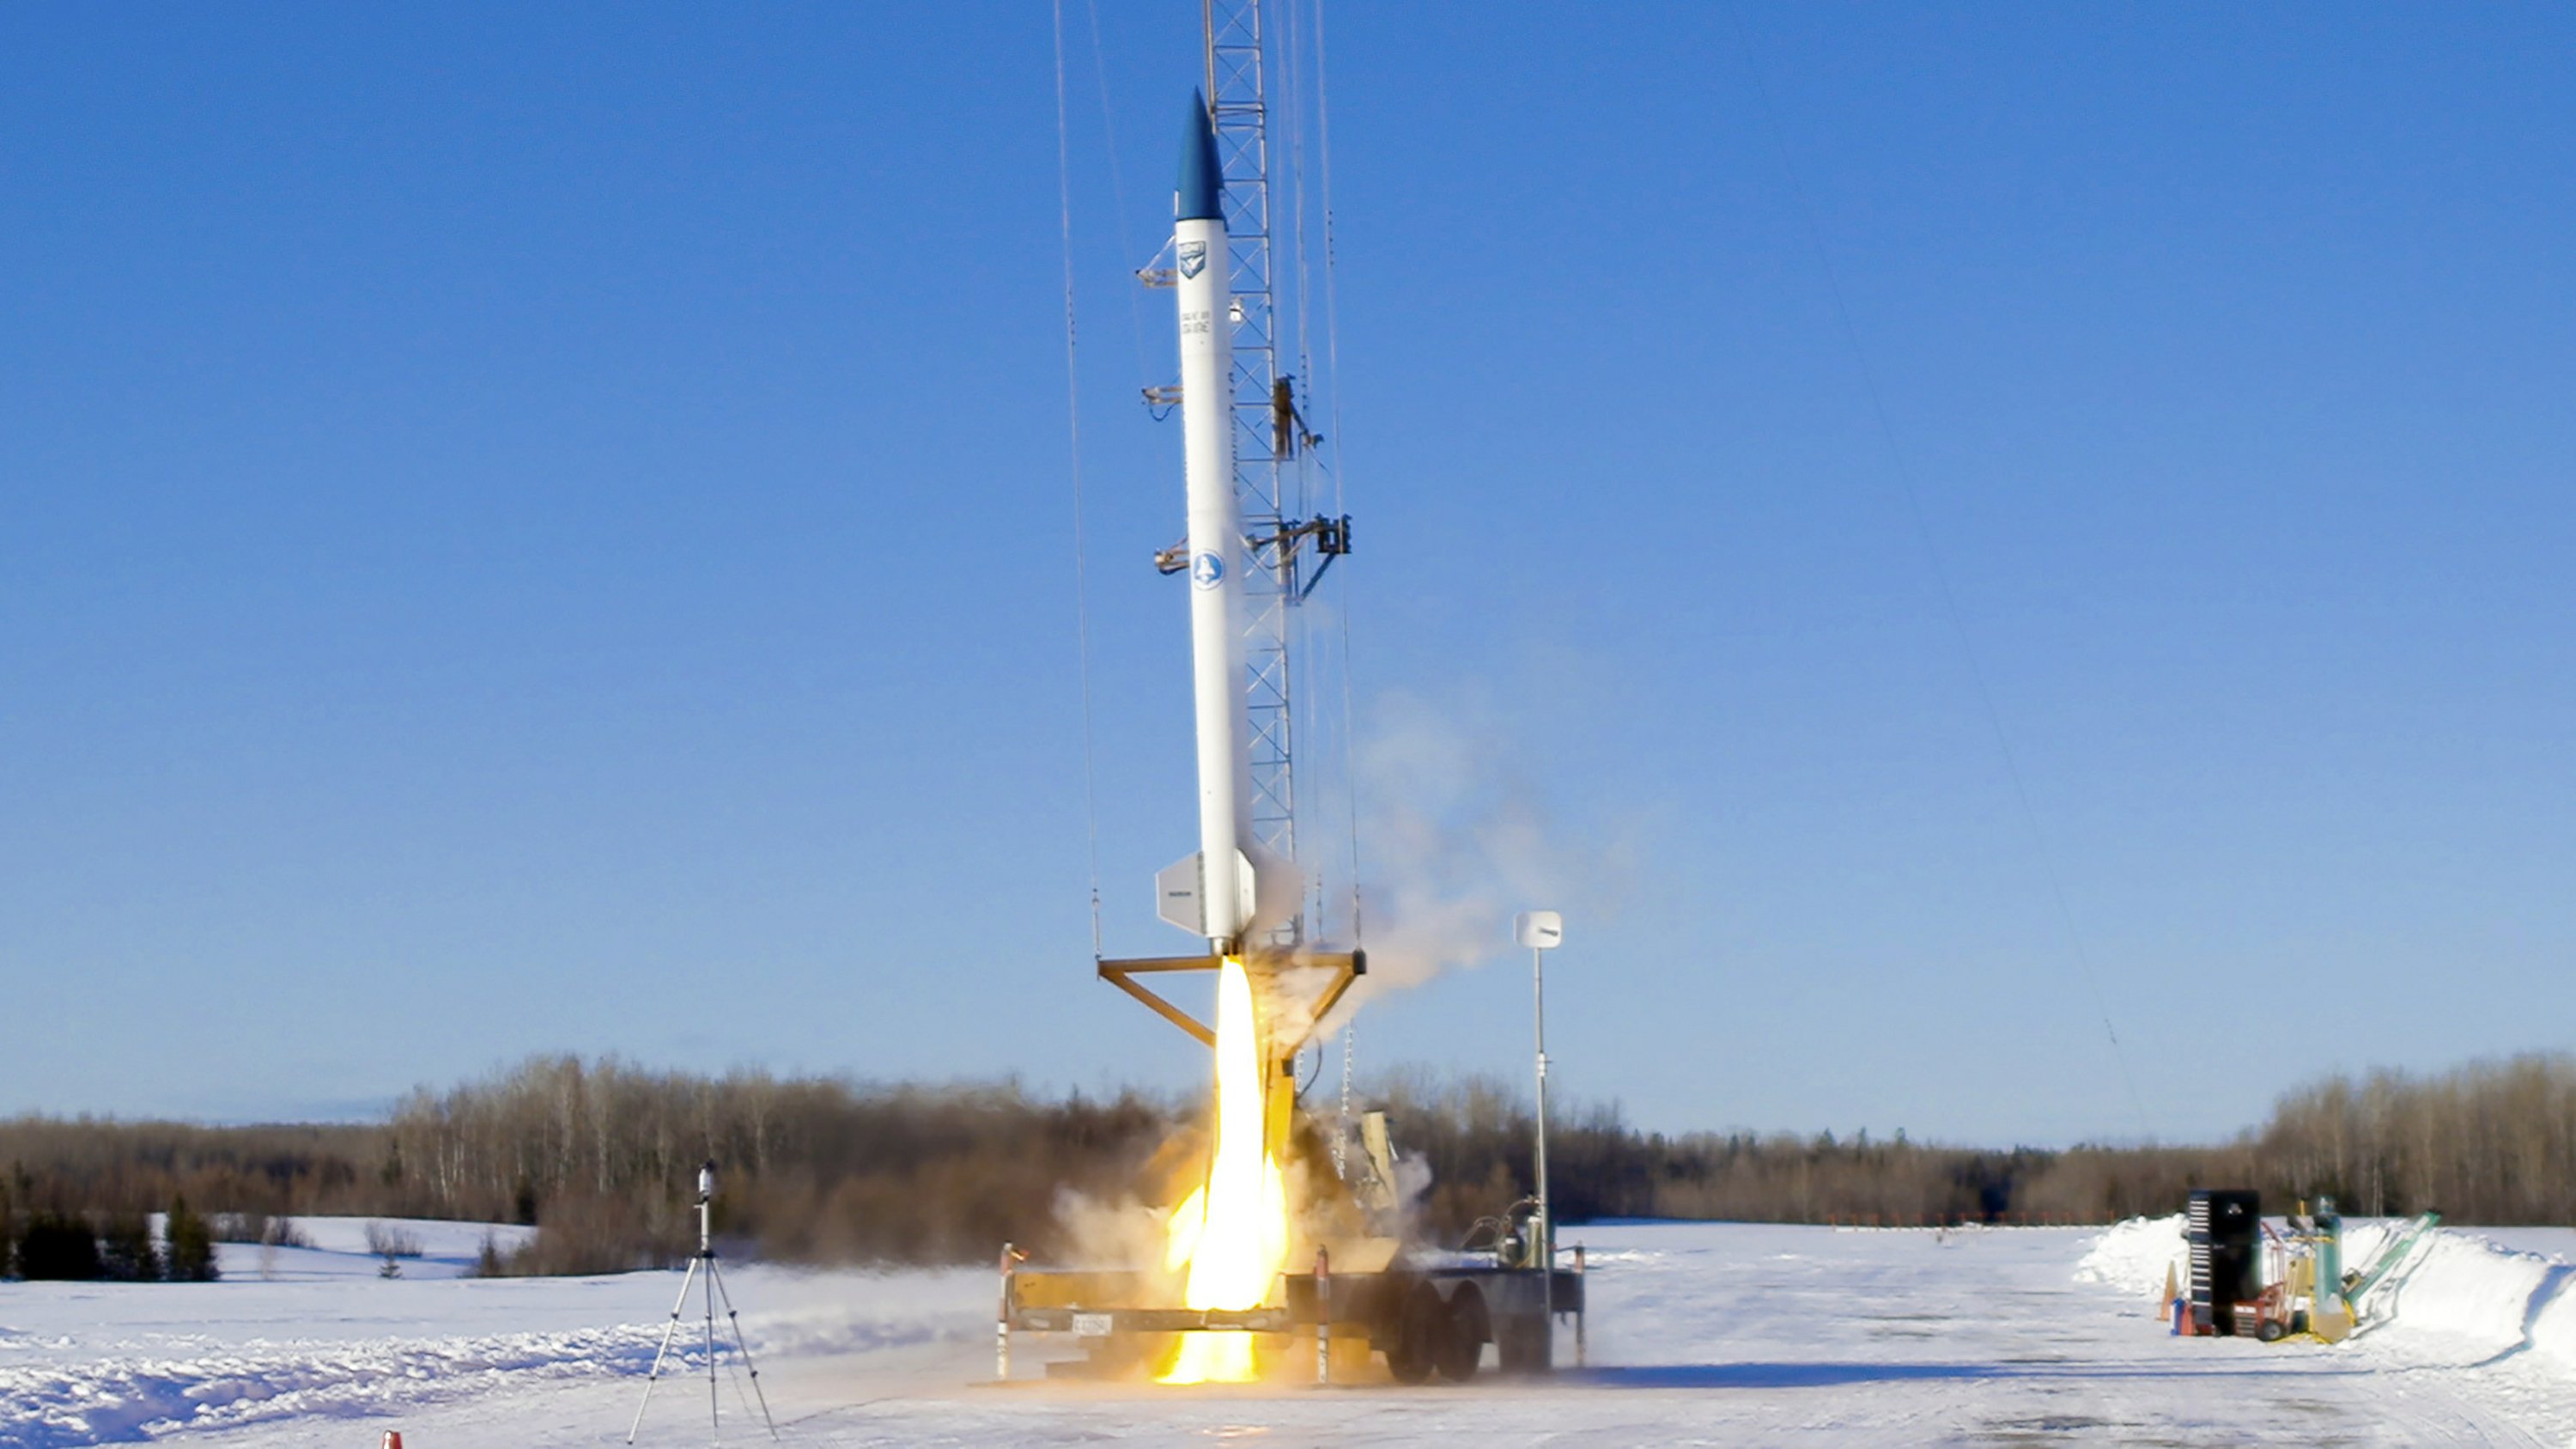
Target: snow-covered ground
1701	1333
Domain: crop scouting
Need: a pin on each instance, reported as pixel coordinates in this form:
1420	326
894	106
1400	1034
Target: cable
1118	195
1073	428
1294	97
1940	572
1344	1135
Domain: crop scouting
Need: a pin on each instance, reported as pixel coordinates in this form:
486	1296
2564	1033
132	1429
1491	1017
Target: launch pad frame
1347	966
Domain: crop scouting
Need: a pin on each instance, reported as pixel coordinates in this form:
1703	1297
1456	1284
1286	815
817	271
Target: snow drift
2133	1256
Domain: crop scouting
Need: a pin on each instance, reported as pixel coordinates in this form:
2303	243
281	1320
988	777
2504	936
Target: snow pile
2474	1292
2552	1331
2133	1256
122	1396
317	1334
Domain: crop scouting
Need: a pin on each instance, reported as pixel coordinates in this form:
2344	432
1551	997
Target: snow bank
2552	1330
2133	1256
121	1397
126	1362
2477	1294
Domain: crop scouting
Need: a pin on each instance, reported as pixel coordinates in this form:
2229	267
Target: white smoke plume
1123	1233
1457	834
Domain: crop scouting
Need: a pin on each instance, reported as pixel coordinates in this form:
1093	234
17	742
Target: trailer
1429	1316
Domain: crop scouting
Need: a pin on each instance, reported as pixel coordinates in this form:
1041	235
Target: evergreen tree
126	1250
59	1246
192	1245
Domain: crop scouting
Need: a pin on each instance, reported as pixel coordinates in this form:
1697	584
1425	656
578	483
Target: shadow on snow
1831	1375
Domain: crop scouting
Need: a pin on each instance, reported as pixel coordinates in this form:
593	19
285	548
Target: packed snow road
1701	1333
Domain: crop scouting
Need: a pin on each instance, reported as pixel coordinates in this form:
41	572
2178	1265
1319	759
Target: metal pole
1323	1316
668	1330
1583	1312
707	1255
1002	1321
741	1344
1546	1246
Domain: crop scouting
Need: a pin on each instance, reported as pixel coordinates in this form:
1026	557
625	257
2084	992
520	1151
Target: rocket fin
1247	895
1180	891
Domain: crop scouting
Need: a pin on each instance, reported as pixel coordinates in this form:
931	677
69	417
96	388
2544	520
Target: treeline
2493	1142
79	1195
1476	1139
107	1166
601	1157
122	1247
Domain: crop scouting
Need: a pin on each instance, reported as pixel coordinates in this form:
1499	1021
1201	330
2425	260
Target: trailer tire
1462	1341
1421	1328
2270	1332
1405	1368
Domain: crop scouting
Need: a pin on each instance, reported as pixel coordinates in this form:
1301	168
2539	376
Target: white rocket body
1213	893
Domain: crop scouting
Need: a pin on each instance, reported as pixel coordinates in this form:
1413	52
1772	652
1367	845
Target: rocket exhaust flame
1232	1233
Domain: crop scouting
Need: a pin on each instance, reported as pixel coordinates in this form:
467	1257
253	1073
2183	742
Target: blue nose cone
1201	194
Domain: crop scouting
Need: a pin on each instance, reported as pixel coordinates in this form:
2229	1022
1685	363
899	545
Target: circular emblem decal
1207	570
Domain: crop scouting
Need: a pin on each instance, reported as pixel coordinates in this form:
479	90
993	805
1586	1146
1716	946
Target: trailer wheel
1462	1344
1405	1367
1420	1333
2270	1332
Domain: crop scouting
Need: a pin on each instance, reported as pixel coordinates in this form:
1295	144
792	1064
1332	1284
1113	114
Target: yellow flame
1232	1232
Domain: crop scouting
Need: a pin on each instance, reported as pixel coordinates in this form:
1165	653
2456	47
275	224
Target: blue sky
549	528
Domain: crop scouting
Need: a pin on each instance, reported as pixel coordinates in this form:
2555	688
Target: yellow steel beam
1348	966
1115	973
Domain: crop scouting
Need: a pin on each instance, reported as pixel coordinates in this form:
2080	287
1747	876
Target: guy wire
1940	572
1073	428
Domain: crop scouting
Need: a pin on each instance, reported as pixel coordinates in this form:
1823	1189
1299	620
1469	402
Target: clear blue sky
548	528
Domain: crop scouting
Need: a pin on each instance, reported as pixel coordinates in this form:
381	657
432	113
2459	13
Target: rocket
1230	892
1211	893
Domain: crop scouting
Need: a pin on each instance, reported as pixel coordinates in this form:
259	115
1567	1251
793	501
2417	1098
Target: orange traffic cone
393	1439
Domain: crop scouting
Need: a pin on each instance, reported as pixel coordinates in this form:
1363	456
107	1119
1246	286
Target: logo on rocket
1206	570
1193	257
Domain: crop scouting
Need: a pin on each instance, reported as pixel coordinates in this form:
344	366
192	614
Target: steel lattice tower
1242	117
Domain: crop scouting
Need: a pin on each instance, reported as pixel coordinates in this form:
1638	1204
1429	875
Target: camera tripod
705	1259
